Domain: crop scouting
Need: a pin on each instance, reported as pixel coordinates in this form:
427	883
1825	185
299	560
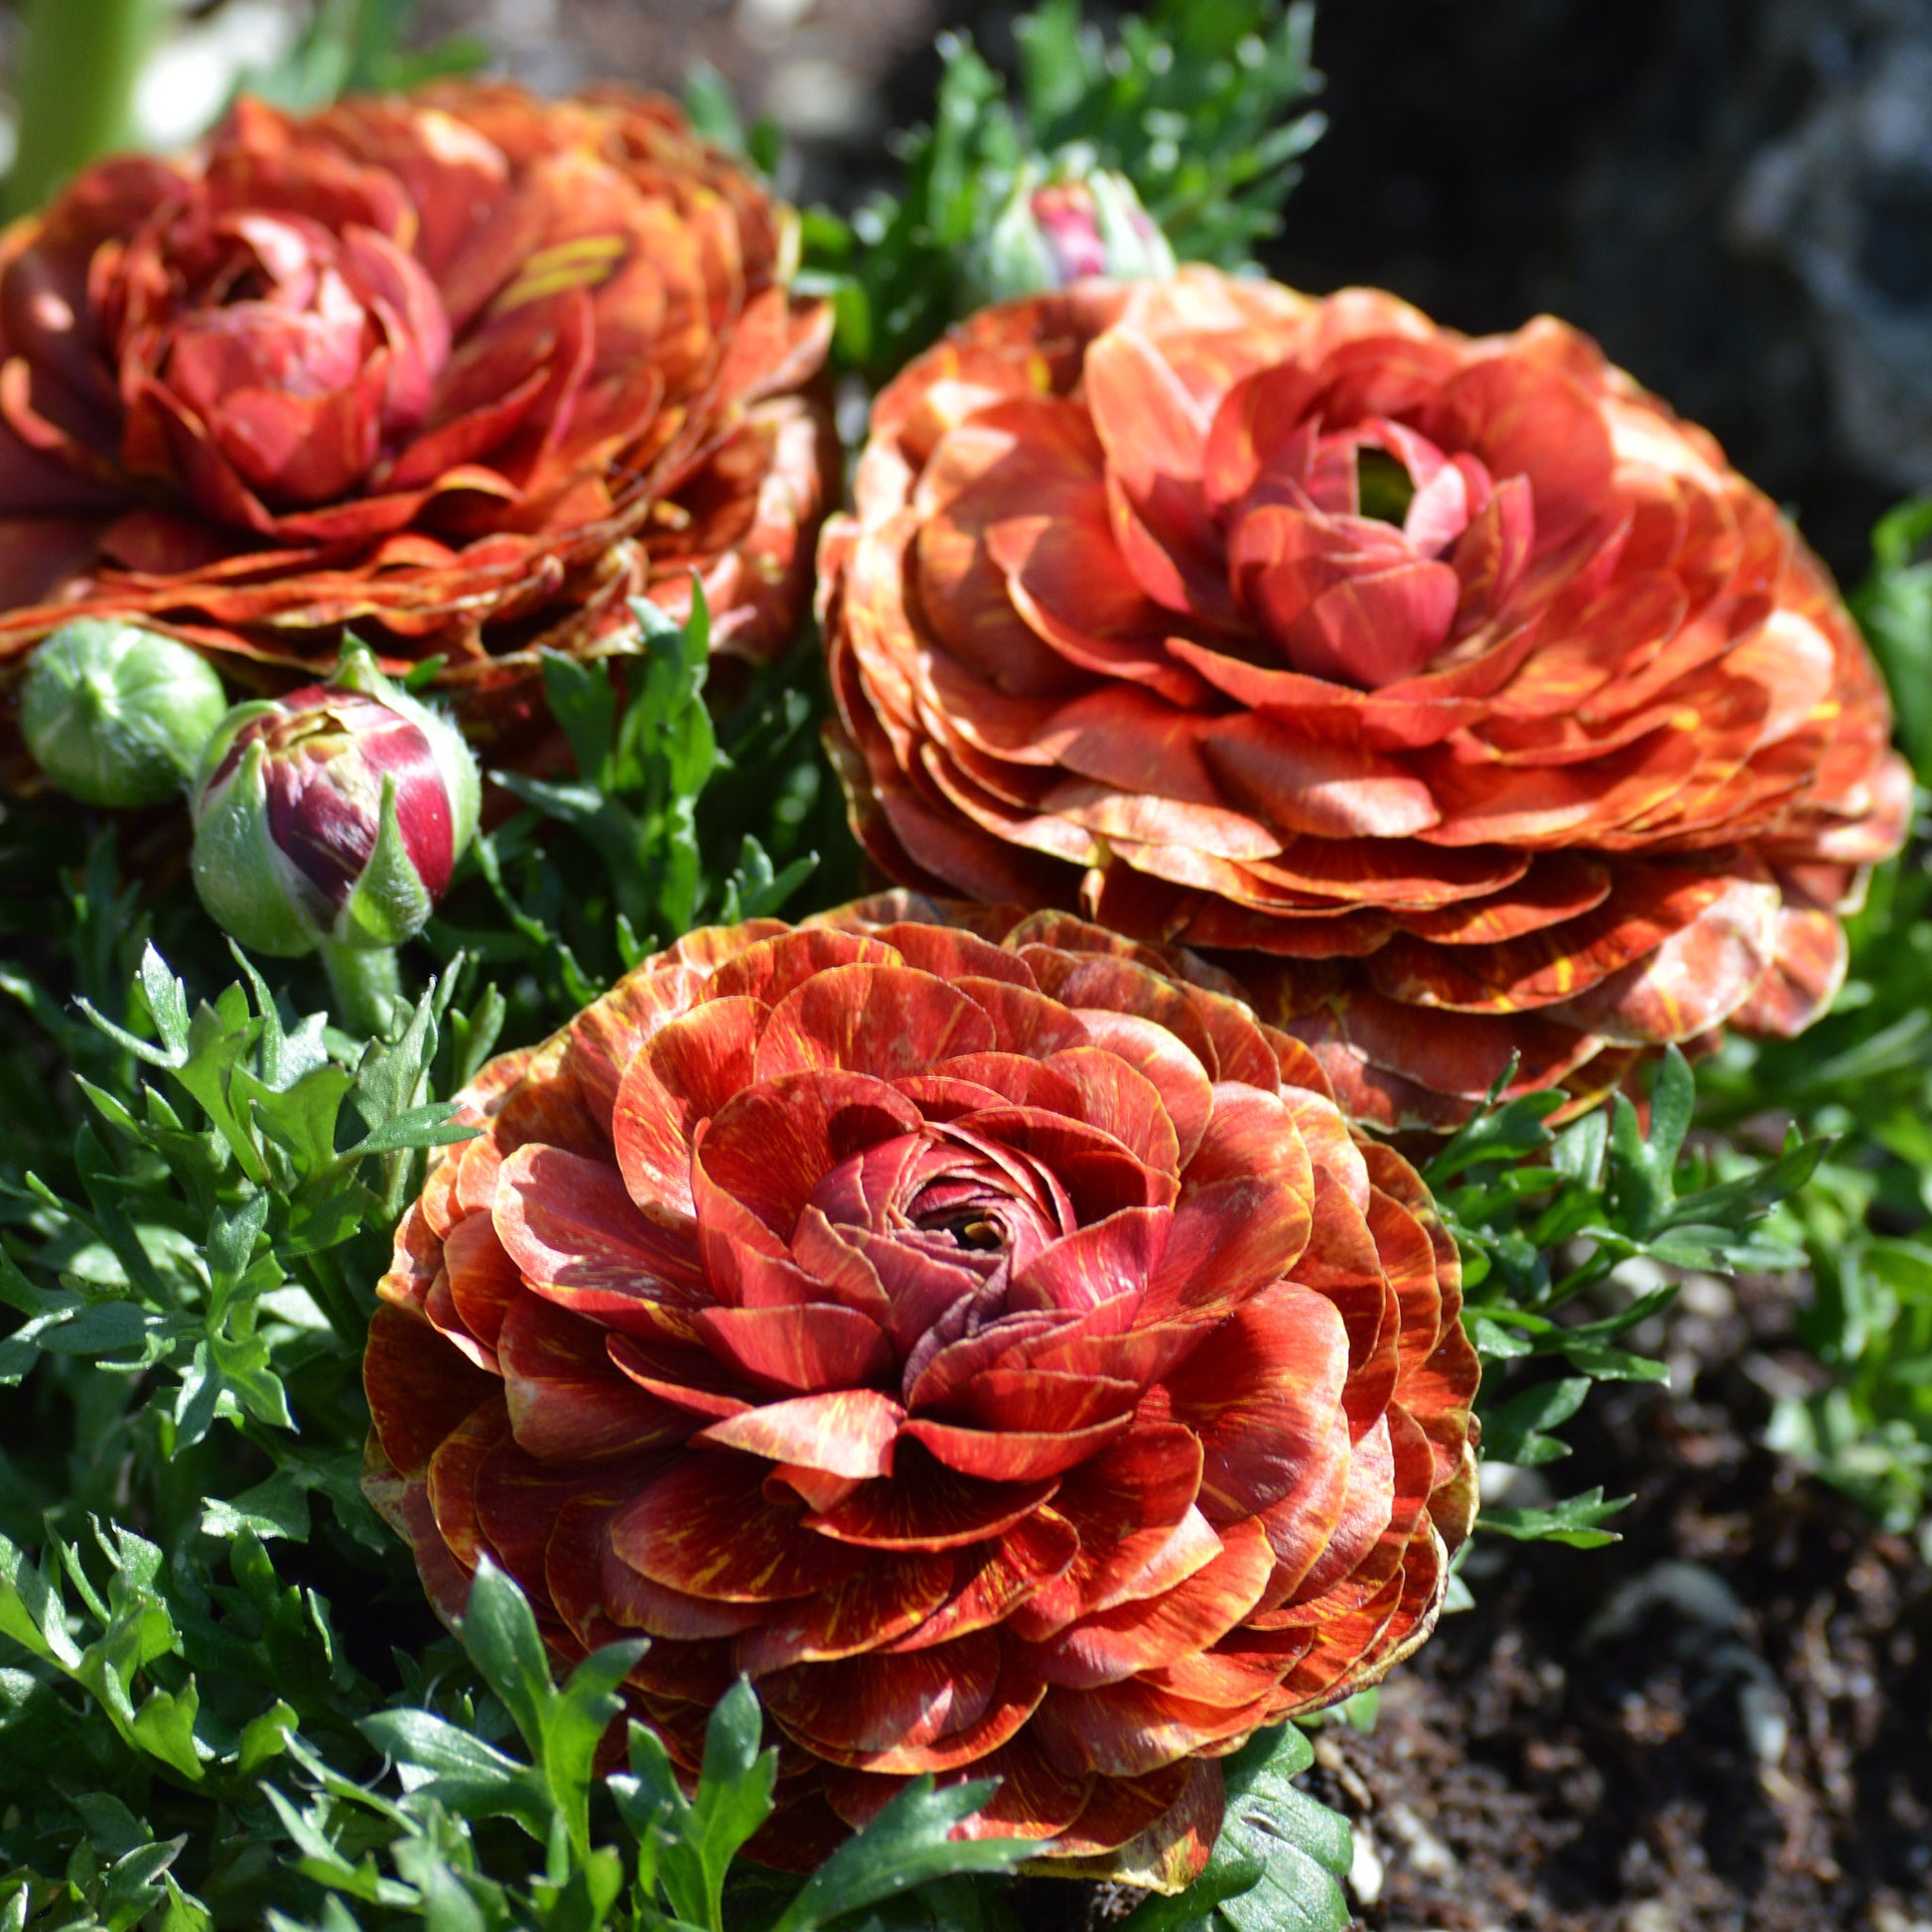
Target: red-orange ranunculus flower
1453	692
1003	1353
463	370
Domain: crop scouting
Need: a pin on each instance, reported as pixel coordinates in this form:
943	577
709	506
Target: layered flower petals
1450	692
980	1331
465	370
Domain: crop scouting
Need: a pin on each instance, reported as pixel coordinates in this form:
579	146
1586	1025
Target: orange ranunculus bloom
1451	691
463	370
993	1342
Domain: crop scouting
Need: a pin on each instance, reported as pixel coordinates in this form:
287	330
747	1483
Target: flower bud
1079	223
332	817
118	716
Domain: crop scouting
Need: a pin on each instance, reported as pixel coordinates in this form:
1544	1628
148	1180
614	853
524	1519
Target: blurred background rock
1734	196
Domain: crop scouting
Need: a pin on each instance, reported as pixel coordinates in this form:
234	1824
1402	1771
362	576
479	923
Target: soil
1717	1725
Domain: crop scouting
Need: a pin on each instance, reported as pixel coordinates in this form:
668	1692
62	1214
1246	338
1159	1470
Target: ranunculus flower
1451	691
463	370
1003	1354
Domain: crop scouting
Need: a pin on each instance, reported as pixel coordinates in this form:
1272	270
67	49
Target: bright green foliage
650	1858
360	46
1861	1076
1543	1218
653	845
1894	604
1195	102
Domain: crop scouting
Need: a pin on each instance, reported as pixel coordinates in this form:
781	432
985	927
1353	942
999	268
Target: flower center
1363	552
971	1229
1384	489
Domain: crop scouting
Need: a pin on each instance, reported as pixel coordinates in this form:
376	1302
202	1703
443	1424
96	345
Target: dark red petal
770	1145
1104	1260
580	1241
633	1603
1169	1854
921	1711
926	1506
882	1020
1129	1728
892	1596
1243	1217
974	1081
686	1072
993	1578
419	1388
1114	1095
809	1348
1038	1399
1151	1632
484	1280
952	954
1262	1392
566	1401
1034	1800
887	1701
1133	1507
771	969
1174	1070
681	1372
705	1527
1011	1455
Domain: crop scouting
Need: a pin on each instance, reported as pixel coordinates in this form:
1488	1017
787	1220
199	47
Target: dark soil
1717	1725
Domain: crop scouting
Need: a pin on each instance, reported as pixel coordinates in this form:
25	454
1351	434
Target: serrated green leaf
1573	1521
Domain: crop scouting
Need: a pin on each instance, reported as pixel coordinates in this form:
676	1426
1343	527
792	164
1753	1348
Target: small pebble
1366	1868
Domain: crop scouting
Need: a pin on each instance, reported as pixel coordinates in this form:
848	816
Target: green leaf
501	1635
713	113
1507	1133
1513	1431
905	1846
1278	1861
1573	1521
167	1002
732	1799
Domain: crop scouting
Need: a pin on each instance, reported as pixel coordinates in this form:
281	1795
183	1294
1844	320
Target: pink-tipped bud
1079	223
333	816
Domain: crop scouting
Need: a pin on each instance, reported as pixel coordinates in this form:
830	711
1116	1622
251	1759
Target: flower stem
76	89
367	987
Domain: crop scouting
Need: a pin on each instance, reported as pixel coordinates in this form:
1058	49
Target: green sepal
389	903
240	875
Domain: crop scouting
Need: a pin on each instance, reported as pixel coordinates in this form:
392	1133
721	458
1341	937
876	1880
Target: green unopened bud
1056	229
118	716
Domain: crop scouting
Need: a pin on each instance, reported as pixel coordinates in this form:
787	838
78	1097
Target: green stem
337	1299
367	987
76	89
